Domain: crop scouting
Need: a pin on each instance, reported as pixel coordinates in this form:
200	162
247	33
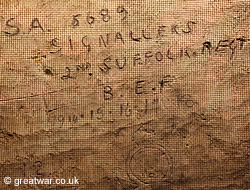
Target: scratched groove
125	95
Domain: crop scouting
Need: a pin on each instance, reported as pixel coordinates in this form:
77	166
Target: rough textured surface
124	94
